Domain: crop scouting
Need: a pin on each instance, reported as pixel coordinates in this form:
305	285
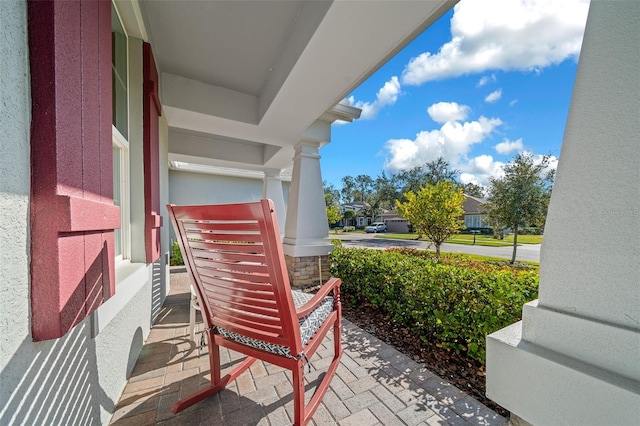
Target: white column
575	357
306	230
272	189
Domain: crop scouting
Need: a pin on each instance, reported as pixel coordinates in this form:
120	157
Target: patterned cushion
308	325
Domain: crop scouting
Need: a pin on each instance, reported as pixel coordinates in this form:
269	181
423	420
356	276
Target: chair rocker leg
316	399
303	414
213	388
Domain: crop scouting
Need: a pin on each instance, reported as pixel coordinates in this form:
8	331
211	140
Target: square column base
545	387
308	271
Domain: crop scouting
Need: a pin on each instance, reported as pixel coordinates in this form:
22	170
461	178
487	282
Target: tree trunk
515	245
438	251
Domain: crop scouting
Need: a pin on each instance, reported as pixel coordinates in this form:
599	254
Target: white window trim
125	199
130	277
122	143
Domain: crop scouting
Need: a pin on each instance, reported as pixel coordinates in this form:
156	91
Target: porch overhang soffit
261	74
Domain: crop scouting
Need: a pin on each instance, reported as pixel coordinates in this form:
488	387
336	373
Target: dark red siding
151	112
72	211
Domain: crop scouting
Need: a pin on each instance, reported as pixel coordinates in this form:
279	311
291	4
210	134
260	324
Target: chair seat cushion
308	325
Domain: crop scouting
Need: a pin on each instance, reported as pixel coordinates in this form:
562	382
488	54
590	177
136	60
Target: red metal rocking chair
234	256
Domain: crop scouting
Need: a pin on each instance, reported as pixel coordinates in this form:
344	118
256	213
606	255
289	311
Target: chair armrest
333	284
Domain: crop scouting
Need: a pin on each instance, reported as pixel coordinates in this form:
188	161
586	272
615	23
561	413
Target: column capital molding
307	149
273	174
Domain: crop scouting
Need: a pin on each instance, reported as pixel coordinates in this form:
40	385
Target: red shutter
151	112
72	211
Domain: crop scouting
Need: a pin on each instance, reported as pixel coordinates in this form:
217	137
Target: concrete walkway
374	385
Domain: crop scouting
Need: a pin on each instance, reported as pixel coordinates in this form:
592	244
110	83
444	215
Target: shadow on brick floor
375	384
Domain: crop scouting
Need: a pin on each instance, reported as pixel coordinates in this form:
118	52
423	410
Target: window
119	72
120	128
473	221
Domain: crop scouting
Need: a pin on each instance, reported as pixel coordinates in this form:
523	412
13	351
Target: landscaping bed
437	311
461	371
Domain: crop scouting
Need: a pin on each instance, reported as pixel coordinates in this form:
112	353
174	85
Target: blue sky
488	80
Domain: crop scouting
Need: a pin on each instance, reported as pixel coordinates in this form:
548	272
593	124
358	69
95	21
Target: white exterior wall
14	198
165	239
200	188
78	378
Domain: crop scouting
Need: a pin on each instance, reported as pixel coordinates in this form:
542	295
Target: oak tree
521	197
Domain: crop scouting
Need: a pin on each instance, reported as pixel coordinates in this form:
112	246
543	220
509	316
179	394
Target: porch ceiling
263	72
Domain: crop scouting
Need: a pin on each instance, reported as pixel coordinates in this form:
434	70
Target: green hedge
454	302
176	255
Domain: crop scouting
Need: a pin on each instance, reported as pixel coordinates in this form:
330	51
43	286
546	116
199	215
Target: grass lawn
339	231
394	236
491	259
481	240
525	239
467	239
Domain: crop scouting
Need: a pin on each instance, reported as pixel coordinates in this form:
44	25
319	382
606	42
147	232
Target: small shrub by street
453	302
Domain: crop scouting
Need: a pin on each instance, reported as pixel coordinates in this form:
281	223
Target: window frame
121	143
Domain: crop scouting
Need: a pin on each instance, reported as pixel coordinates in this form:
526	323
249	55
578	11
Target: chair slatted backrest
235	257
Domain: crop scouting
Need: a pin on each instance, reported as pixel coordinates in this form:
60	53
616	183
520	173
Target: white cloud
552	159
493	96
452	141
442	112
479	169
504	35
513	102
507	146
487	79
387	95
466	178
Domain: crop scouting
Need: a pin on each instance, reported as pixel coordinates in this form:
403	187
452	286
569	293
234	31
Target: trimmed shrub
176	255
453	302
531	230
337	242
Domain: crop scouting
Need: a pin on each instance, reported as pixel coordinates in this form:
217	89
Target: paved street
530	252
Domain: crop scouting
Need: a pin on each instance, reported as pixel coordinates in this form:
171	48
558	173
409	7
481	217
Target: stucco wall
14	194
595	204
78	378
200	188
161	291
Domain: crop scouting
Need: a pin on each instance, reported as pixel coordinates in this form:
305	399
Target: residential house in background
474	218
360	218
395	223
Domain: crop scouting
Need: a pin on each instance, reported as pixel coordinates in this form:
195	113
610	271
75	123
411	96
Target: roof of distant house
471	205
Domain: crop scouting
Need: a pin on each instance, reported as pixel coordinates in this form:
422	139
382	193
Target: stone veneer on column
308	271
575	357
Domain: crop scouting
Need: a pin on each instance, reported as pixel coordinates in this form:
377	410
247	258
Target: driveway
530	252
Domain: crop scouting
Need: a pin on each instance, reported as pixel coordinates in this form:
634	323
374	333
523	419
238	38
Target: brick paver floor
374	385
